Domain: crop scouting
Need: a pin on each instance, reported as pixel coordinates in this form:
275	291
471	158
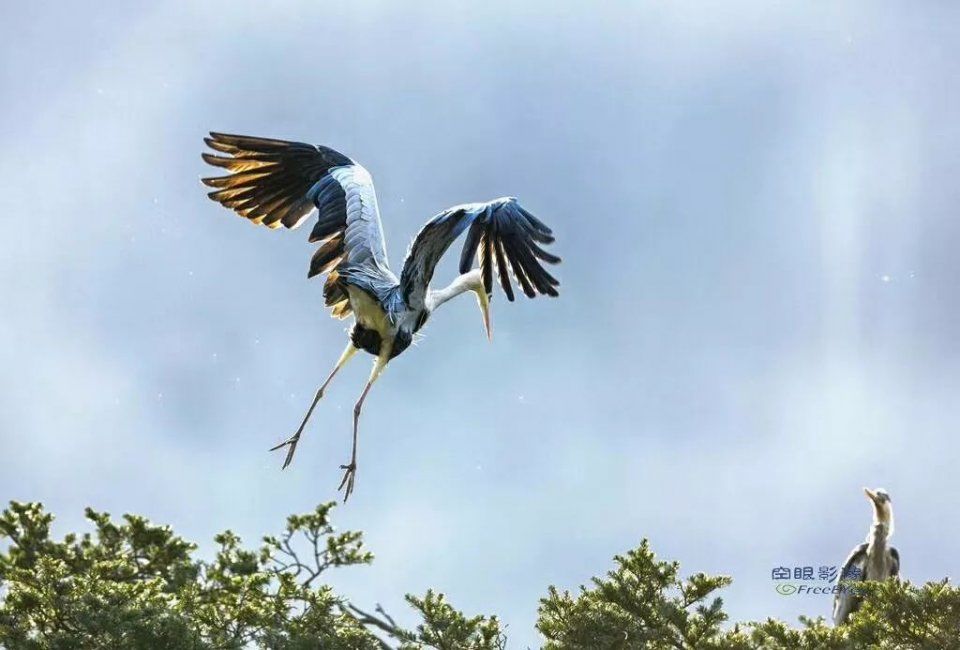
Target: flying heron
872	560
278	183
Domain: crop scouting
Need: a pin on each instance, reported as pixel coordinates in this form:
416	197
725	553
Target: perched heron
278	183
872	560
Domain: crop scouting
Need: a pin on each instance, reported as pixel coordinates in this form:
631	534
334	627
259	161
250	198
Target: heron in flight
875	559
278	183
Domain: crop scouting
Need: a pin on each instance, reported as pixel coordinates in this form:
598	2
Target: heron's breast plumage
369	312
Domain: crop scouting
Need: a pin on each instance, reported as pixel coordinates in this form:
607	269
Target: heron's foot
291	443
349	474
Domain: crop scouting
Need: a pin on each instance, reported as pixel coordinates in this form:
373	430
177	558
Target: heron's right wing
845	602
279	183
895	568
507	237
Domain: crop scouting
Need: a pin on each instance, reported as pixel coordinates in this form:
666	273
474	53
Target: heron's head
470	281
882	510
473	281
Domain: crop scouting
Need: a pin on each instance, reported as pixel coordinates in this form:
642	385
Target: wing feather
279	183
846	601
500	234
503	272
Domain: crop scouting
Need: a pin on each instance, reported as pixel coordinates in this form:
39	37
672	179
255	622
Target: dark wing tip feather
247	141
539	225
541	254
523	232
211	159
267	181
503	272
486	263
216	145
508	236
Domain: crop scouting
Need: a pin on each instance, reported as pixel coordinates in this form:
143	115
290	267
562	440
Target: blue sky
756	207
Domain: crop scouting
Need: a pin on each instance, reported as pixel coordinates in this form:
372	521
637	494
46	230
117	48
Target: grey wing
846	601
279	183
507	237
895	565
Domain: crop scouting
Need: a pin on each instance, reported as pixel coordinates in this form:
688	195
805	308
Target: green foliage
114	586
131	584
641	604
445	627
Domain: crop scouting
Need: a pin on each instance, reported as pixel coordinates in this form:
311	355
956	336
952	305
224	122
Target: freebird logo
787	589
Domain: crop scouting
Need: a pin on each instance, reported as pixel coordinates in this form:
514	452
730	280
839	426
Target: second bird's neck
879	533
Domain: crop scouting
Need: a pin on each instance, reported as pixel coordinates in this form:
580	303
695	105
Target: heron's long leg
350	471
292	441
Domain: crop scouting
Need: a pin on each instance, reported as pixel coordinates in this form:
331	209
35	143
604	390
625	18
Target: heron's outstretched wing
846	601
279	183
895	567
507	237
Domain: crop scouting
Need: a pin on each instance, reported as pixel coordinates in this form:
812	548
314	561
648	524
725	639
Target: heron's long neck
878	560
879	533
462	284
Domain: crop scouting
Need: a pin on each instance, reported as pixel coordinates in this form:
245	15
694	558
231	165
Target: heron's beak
881	507
483	299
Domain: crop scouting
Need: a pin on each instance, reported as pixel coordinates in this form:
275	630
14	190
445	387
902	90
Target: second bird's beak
483	299
881	507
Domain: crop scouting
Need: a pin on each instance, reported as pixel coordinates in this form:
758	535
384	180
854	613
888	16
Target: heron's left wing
507	237
279	183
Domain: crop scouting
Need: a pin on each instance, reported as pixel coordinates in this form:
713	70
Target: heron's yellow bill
484	301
